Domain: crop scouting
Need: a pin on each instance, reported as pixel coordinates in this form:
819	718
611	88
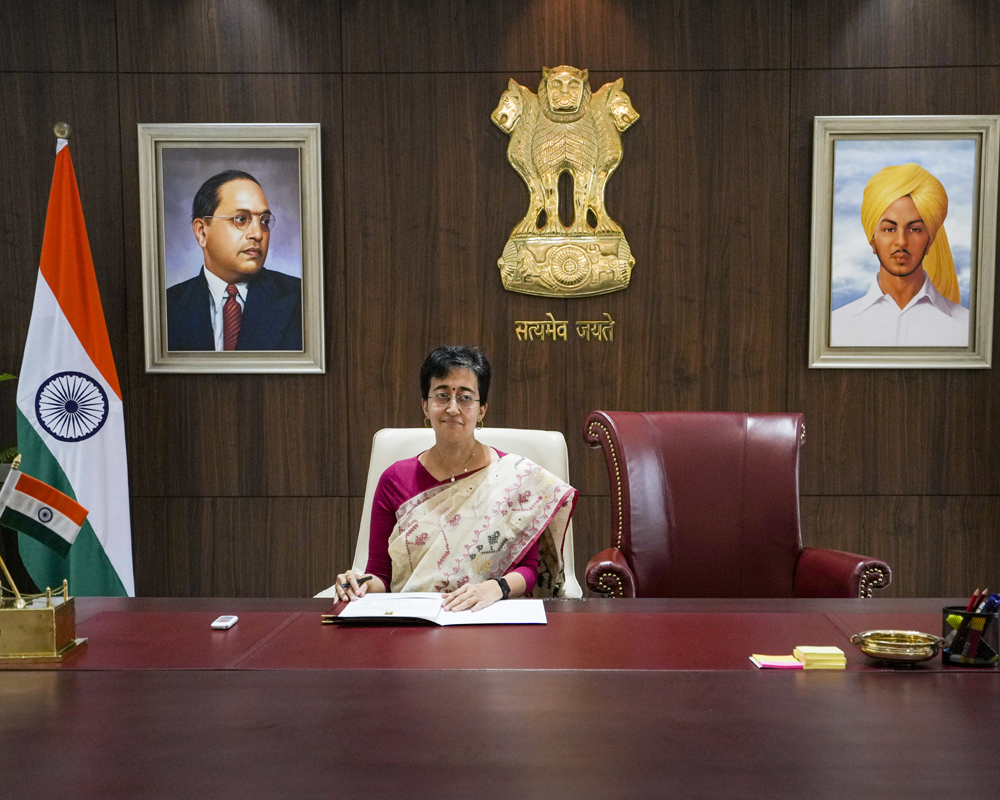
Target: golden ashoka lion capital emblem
565	129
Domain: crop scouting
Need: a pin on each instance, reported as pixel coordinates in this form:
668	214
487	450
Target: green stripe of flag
25	524
89	571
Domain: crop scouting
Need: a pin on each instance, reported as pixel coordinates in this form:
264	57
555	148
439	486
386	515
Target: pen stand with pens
972	638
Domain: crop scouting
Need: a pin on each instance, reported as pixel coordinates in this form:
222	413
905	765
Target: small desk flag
35	508
70	420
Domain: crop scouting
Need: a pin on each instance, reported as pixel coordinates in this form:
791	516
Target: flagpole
19	602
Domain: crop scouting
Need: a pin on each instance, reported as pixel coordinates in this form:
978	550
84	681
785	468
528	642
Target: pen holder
970	639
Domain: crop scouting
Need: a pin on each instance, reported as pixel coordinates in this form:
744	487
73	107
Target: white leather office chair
545	448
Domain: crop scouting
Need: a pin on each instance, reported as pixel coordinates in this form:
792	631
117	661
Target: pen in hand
360	581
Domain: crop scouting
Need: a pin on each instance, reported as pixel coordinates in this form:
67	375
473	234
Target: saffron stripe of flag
35	508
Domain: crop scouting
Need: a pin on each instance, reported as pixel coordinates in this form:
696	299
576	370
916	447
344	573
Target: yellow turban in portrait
886	187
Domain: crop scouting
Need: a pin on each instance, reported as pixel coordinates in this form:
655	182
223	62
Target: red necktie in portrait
232	319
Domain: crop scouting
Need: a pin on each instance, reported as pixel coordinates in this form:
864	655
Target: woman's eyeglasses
443	399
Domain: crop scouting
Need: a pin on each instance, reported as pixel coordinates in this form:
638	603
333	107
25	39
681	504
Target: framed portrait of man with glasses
232	248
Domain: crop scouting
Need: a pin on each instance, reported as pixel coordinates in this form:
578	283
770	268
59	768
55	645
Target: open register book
411	606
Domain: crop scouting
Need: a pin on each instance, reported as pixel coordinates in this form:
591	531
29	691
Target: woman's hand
476	596
351	586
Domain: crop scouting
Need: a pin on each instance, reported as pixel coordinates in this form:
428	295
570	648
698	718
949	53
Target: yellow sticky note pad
808	650
820	657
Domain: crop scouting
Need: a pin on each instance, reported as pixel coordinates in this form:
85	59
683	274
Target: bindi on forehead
456	385
463	379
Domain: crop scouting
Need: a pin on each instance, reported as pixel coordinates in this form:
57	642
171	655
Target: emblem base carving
566	266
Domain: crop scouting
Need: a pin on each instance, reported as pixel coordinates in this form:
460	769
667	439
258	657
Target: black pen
360	581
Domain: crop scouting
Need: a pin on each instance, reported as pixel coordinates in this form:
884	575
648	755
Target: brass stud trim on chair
611	590
873	578
618	524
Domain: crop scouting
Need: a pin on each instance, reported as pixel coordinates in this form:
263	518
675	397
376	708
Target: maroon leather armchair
706	504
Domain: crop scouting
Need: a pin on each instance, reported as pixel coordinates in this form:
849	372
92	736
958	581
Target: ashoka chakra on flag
71	406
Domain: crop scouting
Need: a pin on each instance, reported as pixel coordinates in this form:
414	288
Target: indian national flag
35	508
70	422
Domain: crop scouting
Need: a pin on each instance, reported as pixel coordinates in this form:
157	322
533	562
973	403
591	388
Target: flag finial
62	130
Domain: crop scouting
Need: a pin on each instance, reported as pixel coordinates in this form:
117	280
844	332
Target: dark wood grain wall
250	485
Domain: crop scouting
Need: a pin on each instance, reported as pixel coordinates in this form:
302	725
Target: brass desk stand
37	628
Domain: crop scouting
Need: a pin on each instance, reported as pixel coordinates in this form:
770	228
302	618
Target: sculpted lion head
508	110
564	93
620	105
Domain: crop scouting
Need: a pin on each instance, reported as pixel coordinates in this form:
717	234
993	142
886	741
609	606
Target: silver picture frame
174	160
847	152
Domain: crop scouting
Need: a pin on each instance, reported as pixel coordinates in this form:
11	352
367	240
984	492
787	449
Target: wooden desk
612	698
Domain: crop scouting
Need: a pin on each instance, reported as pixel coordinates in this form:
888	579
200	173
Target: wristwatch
503	587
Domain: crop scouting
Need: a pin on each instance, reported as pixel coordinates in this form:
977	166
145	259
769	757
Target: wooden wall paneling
885	431
743	233
229	36
27	159
240	434
305	542
894	33
188	434
701	196
173	546
347	541
835	402
936	546
530	377
970	523
57	36
839	523
418	174
916	531
401	36
838	411
875	92
238	547
150	548
929	430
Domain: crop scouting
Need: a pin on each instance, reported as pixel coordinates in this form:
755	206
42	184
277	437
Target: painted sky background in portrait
952	161
185	169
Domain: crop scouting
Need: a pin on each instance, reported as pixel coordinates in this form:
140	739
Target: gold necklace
465	467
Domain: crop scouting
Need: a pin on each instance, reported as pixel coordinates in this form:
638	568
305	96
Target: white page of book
427	605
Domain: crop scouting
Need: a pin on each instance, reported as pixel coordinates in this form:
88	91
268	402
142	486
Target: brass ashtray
898	648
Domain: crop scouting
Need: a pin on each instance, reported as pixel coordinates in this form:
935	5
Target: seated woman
462	518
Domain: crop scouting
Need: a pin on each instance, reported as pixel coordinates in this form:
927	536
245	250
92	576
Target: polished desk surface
641	698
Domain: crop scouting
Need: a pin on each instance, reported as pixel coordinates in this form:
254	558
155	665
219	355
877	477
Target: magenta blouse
400	482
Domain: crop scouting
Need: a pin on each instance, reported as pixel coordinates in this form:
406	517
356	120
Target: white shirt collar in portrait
217	289
928	320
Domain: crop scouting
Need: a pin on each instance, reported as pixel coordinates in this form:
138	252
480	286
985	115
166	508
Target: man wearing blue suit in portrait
233	303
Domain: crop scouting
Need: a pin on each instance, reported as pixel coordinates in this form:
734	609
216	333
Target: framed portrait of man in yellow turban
903	241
